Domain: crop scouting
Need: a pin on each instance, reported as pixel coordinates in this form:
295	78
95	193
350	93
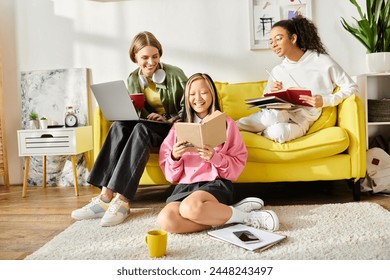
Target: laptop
115	103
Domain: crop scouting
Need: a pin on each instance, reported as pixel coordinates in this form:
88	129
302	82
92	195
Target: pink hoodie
227	163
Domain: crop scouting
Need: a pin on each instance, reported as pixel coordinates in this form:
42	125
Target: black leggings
124	154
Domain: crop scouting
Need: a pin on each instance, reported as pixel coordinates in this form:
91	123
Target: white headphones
158	77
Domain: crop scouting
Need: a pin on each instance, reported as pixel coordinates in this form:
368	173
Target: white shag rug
350	231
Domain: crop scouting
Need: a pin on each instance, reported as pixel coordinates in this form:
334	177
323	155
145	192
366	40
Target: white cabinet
375	86
64	141
49	142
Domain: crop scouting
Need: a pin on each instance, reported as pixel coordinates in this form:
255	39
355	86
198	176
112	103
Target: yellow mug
156	240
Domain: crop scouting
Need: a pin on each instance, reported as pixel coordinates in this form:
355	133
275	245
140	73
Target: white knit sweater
317	72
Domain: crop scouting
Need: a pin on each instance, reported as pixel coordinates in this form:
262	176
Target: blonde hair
141	40
189	112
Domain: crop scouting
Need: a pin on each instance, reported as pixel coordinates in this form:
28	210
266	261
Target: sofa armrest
100	130
351	118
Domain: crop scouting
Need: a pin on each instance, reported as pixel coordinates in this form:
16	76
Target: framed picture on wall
264	13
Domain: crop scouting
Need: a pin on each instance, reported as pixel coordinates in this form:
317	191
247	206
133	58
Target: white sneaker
118	211
264	219
249	204
95	209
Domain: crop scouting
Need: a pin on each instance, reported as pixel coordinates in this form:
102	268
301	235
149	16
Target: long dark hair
188	112
306	31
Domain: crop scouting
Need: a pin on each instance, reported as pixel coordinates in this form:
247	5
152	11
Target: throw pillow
232	97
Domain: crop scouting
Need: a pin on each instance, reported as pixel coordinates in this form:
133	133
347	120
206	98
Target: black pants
124	154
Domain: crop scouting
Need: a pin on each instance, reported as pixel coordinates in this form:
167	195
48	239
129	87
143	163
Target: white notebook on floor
247	237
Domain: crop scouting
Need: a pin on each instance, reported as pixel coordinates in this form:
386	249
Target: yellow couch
333	149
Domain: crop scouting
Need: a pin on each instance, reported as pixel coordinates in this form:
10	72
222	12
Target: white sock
237	216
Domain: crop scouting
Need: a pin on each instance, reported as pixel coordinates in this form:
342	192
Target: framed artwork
48	92
264	13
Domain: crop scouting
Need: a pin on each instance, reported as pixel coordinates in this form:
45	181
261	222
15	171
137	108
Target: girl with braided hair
305	64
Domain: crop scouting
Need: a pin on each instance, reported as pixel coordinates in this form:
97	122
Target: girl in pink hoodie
204	177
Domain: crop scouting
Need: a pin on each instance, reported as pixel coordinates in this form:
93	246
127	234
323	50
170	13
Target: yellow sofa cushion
232	97
324	143
232	100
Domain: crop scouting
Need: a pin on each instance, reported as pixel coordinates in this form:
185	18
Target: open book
247	237
211	132
279	99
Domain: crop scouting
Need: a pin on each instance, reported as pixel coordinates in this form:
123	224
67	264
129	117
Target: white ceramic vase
378	62
43	124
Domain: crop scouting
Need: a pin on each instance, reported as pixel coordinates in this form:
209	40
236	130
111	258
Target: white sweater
317	72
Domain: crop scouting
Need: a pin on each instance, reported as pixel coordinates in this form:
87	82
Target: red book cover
291	95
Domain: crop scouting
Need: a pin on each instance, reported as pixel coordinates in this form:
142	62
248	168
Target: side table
54	142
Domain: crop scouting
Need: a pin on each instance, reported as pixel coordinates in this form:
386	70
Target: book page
189	132
212	132
280	106
264	101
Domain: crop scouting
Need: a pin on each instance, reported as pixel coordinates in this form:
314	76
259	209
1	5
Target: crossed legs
272	124
198	211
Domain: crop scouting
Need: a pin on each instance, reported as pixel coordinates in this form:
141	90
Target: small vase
43	124
34	124
378	62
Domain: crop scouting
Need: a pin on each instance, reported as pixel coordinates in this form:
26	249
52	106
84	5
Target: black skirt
221	189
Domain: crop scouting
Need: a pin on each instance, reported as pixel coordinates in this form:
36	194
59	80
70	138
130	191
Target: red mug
138	100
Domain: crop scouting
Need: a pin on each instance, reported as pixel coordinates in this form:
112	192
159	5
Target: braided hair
306	31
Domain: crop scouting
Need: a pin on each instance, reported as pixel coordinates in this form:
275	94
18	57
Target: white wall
197	35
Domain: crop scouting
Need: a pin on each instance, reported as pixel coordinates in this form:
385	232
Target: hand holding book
291	95
211	132
316	101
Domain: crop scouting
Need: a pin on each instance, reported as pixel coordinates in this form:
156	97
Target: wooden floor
28	223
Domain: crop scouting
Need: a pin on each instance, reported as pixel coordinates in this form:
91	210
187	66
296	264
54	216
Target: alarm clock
70	117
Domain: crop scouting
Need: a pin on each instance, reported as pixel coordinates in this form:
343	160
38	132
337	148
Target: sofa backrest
232	100
232	97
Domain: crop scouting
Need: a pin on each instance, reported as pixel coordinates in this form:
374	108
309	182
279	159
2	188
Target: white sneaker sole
249	204
275	219
112	222
80	218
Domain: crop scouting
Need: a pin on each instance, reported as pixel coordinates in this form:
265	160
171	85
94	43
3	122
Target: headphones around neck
158	77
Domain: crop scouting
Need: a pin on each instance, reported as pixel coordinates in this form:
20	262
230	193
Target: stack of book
282	99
